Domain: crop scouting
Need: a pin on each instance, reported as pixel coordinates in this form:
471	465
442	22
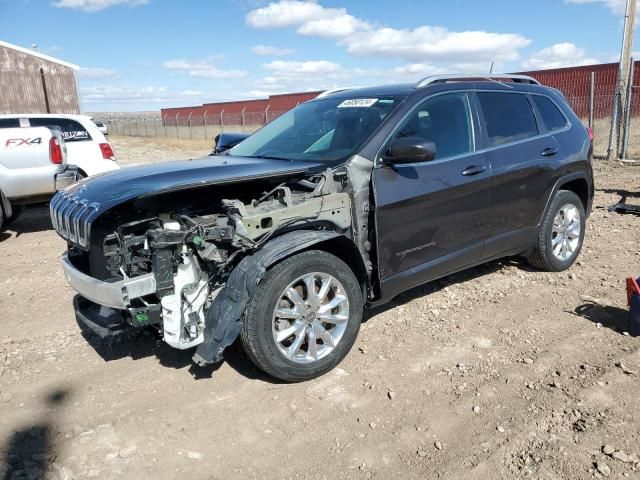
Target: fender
562	181
222	324
6	205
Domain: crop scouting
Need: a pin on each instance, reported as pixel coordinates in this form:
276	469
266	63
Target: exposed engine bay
192	253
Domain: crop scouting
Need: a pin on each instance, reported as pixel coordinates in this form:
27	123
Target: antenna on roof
491	69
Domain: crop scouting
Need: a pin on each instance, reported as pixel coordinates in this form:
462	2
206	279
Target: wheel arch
578	183
346	250
223	320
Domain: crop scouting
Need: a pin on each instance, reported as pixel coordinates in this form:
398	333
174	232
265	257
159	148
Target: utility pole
623	76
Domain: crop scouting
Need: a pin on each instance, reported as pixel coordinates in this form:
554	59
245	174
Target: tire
3	222
294	359
16	211
552	253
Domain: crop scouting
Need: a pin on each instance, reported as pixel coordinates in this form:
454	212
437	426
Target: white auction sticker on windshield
358	102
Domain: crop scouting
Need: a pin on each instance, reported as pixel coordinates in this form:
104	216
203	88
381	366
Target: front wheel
304	317
561	234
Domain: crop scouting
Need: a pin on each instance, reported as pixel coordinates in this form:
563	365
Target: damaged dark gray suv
345	201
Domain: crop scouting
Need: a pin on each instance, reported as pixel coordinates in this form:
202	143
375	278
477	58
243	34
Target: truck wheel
561	234
16	211
304	317
2	219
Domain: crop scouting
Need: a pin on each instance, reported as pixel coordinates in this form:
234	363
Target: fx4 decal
17	142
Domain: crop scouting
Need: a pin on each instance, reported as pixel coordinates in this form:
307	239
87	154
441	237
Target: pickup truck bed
33	166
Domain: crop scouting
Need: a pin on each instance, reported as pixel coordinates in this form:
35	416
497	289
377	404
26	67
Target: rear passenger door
523	158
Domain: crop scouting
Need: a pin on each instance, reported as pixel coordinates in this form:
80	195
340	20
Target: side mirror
226	141
410	150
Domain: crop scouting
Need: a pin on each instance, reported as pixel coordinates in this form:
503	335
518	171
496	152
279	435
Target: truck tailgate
25	165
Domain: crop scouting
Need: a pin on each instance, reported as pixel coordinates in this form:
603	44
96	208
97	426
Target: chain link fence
616	130
203	127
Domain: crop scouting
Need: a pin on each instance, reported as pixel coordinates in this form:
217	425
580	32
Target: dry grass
137	150
159	142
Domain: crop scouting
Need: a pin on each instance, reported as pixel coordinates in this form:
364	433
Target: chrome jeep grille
72	216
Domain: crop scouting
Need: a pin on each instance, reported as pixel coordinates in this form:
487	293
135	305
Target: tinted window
551	115
72	131
509	117
9	123
444	120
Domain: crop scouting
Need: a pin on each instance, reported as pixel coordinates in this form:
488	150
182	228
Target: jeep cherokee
343	202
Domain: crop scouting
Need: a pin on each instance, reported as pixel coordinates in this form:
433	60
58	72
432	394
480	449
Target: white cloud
322	67
436	43
96	5
97	72
269	51
285	76
202	68
310	18
360	37
616	6
312	72
288	13
414	71
126	94
340	25
557	56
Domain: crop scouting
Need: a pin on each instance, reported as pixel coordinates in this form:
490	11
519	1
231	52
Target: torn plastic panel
222	324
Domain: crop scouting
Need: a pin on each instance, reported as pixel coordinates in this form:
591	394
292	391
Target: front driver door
432	217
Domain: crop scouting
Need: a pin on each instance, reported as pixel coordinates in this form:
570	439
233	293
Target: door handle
473	170
549	152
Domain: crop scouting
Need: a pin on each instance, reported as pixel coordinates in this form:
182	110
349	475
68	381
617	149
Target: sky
146	54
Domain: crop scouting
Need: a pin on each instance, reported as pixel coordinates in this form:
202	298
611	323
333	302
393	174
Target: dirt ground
499	372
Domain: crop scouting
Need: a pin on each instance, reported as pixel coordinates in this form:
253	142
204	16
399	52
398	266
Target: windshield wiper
269	157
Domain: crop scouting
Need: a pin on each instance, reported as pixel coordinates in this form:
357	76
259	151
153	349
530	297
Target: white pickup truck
33	166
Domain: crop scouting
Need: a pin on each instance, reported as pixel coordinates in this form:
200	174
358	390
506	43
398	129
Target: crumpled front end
184	271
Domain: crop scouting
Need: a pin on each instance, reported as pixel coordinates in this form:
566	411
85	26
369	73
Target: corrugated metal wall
254	110
574	82
21	89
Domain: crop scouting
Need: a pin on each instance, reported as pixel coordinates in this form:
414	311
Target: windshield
323	130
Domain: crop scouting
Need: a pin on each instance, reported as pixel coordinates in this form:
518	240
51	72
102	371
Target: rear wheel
304	317
561	234
16	211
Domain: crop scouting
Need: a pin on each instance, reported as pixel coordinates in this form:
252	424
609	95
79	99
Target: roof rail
331	91
493	77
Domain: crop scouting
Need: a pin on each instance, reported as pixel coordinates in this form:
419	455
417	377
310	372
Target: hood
116	187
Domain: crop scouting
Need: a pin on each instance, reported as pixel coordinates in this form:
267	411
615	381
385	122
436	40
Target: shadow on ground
437	285
614	318
35	218
142	343
29	450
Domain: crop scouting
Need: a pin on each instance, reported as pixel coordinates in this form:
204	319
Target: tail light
55	151
590	132
107	151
